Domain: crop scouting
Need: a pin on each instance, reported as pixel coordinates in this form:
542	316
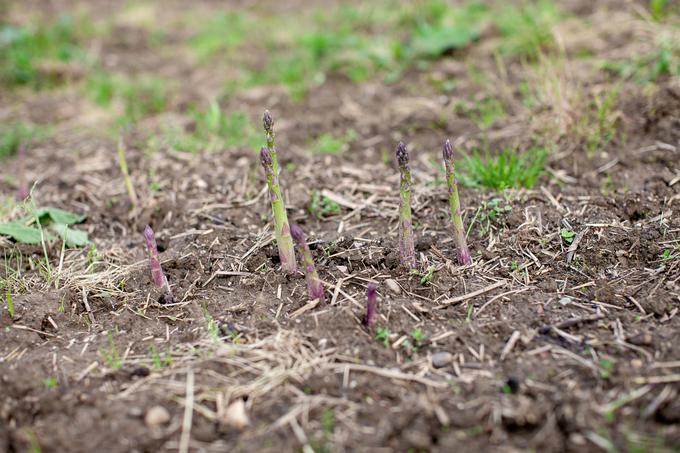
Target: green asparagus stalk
454	205
283	238
314	285
407	253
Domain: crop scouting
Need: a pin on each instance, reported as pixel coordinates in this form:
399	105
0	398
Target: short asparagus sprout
157	274
454	205
407	253
314	285
371	306
282	229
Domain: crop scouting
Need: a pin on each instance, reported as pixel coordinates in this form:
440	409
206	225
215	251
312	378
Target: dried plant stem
122	163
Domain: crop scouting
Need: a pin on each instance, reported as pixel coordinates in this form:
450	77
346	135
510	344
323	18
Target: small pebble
235	415
156	416
393	286
441	359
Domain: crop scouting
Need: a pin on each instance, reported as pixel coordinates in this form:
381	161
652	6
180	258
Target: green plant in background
321	206
215	130
24	49
527	30
29	230
14	134
221	33
51	383
659	9
599	125
509	169
328	144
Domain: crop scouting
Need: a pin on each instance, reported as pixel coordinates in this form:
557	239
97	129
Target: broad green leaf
22	233
72	238
434	41
60	216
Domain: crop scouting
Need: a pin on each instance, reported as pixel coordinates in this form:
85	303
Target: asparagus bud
268	124
407	253
157	274
454	205
371	305
314	285
282	229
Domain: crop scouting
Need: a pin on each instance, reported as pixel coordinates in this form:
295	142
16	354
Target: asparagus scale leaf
464	257
407	253
314	285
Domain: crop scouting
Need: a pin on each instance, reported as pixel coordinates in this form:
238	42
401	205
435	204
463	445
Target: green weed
50	383
10	304
509	169
527	30
14	134
488	212
664	60
321	206
567	235
220	34
24	49
215	130
383	334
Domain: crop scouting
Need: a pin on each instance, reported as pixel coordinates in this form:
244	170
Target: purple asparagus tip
266	157
268	122
298	235
402	154
371	305
447	151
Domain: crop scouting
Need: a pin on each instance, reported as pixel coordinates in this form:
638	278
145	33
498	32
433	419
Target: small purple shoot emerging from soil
157	274
314	285
371	306
282	229
22	190
407	252
454	205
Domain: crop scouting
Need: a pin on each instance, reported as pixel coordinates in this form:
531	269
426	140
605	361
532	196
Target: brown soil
570	349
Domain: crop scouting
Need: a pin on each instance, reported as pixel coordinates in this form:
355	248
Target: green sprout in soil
314	285
568	235
371	306
464	257
112	357
157	274
407	253
10	304
50	383
383	334
122	163
284	241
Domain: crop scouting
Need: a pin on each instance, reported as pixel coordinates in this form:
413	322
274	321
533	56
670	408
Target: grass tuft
509	169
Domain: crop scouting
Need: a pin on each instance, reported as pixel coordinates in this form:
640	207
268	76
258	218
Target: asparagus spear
283	238
314	285
157	274
371	306
454	205
407	253
268	123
